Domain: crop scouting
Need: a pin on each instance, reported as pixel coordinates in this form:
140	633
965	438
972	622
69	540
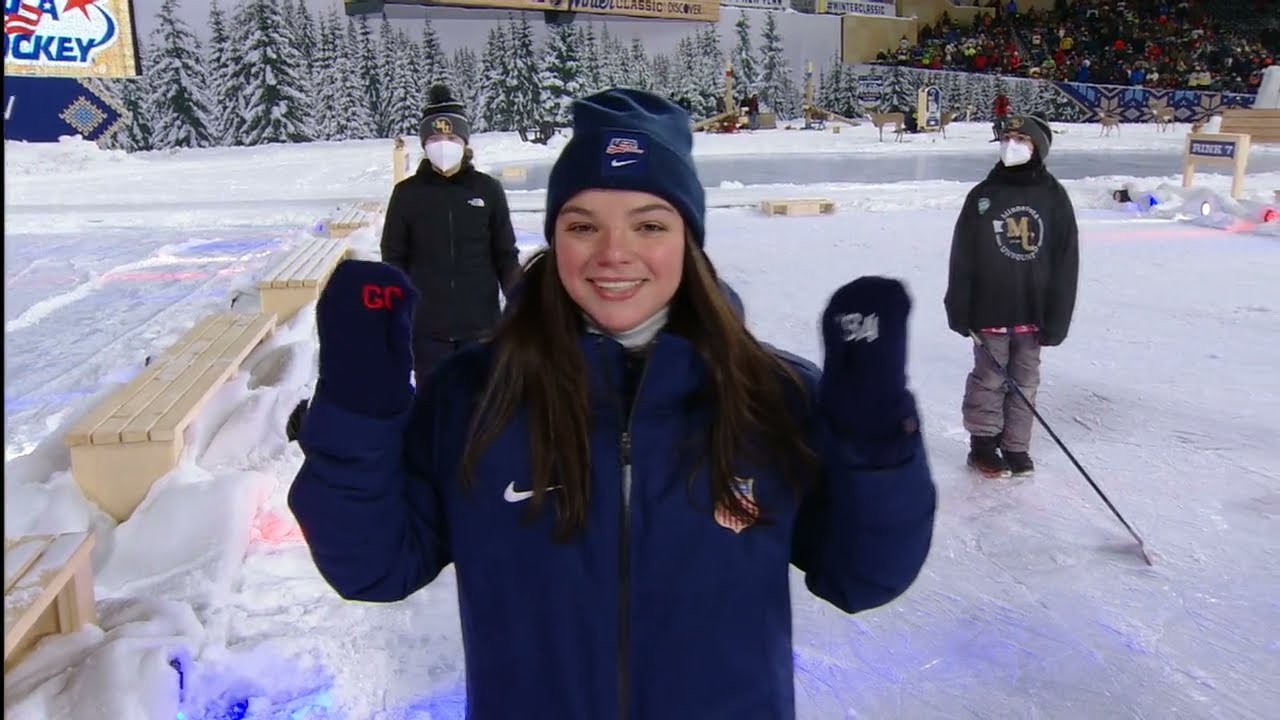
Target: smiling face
620	255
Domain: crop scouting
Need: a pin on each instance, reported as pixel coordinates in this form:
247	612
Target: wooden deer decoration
899	123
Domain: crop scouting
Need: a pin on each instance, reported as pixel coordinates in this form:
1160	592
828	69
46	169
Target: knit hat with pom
443	115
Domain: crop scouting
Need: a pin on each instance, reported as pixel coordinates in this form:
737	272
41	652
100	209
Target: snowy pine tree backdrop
268	71
179	103
278	72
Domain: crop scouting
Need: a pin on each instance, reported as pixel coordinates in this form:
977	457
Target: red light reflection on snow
273	528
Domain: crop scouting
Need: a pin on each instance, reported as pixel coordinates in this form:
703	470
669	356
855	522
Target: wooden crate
48	589
135	435
798	206
297	278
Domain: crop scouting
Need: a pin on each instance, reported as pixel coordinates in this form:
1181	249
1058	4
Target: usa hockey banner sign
70	38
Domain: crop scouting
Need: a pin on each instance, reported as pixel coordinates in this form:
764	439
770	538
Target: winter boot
1020	464
984	456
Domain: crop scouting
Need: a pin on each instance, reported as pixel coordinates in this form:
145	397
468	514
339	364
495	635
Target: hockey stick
1142	547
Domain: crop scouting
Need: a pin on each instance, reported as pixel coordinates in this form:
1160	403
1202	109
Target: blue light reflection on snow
248	699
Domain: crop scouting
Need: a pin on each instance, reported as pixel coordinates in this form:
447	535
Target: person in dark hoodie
1013	273
448	228
622	475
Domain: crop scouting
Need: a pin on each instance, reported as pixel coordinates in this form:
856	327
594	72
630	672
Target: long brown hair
539	371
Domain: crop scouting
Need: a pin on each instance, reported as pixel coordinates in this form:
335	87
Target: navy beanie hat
627	139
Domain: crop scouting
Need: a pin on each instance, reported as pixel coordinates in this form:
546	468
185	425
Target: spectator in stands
1143	43
1000	109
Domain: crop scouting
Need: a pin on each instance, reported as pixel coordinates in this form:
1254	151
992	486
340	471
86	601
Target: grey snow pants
990	408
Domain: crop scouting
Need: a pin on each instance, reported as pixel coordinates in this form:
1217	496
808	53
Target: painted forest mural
273	71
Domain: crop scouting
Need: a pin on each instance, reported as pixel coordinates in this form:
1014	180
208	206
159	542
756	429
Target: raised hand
863	391
364	317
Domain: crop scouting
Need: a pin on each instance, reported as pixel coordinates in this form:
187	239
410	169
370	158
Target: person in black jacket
448	228
1014	267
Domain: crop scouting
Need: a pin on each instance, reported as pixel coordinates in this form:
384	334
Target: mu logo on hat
442	126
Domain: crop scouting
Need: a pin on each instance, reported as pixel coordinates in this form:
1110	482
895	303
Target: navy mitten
364	317
863	392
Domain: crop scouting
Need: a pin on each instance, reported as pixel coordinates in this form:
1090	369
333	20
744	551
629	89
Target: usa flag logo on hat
623	154
621	145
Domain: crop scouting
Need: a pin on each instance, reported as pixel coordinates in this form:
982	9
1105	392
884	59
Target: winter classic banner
887	8
70	38
708	10
883	8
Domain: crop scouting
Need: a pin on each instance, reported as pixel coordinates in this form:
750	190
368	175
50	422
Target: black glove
863	391
364	319
1047	340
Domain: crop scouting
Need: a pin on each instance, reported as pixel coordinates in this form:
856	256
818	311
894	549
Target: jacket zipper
453	266
624	553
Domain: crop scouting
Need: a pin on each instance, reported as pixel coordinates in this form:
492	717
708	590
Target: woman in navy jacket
622	475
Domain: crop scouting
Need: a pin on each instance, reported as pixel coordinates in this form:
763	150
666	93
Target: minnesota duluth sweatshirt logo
1019	232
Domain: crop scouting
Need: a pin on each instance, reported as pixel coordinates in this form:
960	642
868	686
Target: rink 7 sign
707	10
1216	149
70	38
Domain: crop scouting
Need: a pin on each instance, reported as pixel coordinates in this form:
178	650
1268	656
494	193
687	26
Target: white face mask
445	155
1013	153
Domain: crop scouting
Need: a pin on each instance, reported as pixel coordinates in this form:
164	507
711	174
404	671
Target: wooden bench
299	276
48	590
352	218
135	435
1262	126
798	206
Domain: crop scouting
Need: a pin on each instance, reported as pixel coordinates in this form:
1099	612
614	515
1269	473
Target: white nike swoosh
620	163
512	495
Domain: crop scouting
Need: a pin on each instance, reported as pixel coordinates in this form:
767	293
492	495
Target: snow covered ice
1033	603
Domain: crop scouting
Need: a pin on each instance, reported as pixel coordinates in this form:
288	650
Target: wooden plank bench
299	276
798	206
48	590
1262	126
135	435
352	218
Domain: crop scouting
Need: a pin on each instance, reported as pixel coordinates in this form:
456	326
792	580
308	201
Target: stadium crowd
1159	44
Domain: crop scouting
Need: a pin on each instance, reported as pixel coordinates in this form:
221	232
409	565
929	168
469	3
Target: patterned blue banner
973	94
42	109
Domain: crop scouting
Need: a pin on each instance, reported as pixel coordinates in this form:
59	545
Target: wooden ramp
1262	126
798	206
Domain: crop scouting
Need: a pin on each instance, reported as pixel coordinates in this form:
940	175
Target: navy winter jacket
656	611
